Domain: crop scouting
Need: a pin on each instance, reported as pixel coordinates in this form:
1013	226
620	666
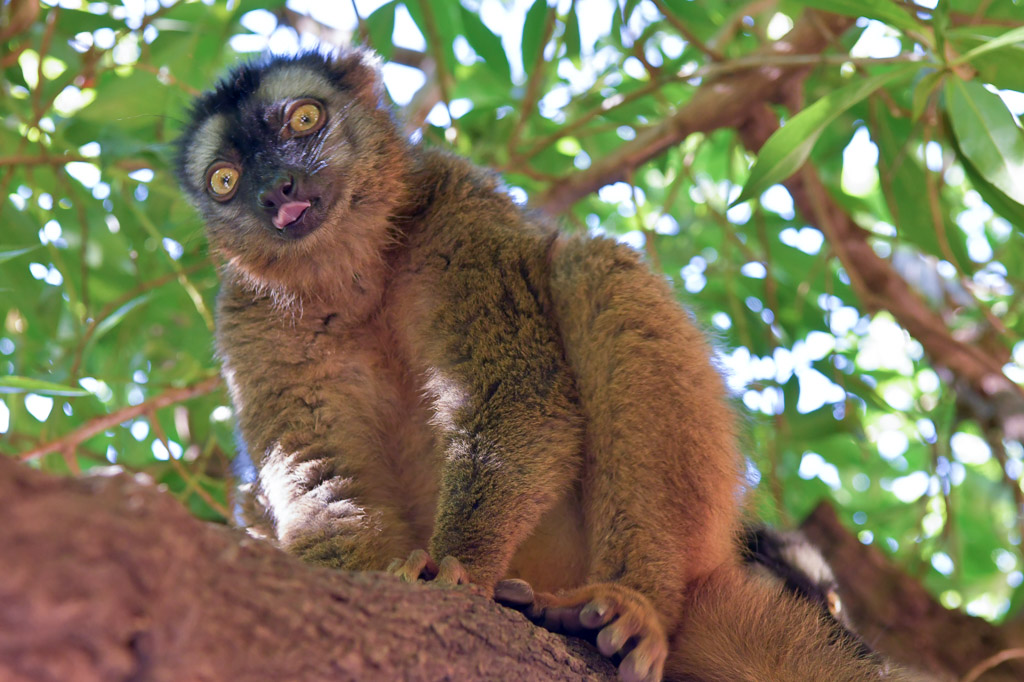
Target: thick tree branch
881	287
108	578
721	103
894	612
105	578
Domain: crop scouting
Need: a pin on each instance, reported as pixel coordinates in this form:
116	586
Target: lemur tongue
288	213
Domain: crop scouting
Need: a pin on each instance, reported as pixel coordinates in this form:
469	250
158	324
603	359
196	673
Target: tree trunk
108	578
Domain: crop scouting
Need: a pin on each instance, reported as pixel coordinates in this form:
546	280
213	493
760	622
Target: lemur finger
645	662
417	565
613	637
596	613
451	572
514	593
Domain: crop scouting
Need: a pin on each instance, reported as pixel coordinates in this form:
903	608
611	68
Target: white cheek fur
207	141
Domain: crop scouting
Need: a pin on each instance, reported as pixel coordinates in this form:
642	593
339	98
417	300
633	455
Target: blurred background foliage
107	287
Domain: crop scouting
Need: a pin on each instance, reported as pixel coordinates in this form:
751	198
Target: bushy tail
740	627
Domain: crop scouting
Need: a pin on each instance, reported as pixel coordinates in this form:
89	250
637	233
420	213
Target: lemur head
295	164
790	558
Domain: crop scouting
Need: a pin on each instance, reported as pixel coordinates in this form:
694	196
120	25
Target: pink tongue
289	213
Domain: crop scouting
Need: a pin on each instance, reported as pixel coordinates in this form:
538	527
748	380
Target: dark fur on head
788	556
351	171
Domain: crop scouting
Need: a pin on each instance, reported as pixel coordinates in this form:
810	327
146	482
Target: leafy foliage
911	125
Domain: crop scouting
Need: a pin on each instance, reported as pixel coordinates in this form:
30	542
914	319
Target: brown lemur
417	363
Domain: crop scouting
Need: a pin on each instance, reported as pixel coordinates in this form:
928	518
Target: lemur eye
835	606
222	180
305	117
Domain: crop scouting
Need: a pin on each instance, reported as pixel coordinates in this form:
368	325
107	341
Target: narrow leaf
16	384
988	135
883	10
14	253
486	44
999	202
1009	38
788	148
533	33
572	33
115	317
381	26
923	92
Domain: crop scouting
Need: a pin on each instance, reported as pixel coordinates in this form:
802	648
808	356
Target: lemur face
281	155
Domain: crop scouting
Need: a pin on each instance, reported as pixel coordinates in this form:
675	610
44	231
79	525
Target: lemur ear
359	68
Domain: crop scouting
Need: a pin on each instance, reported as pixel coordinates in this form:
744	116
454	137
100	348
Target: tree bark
894	613
108	578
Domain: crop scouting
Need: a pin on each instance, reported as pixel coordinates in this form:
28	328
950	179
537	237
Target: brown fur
435	367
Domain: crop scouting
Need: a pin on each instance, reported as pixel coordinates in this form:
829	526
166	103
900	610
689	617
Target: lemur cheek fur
418	364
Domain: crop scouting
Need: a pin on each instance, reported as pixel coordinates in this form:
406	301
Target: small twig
83	225
109	308
191	482
19	159
533	83
167	76
361	30
570	128
434	43
991	662
44	50
995	441
638	213
11	58
109	421
684	31
186	283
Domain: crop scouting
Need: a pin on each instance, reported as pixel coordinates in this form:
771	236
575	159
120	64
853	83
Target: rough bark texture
107	578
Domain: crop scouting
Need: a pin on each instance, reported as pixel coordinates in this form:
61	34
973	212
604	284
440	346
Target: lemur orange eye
304	117
222	180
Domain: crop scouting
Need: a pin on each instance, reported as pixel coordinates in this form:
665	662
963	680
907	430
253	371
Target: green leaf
381	26
999	202
533	33
1000	68
988	135
883	10
572	33
1011	37
903	182
923	92
486	44
788	148
16	384
14	253
115	317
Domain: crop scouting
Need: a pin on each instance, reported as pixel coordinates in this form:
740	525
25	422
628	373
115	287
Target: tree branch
895	613
882	288
106	578
109	421
721	103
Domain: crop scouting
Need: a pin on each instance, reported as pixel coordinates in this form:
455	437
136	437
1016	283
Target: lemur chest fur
351	393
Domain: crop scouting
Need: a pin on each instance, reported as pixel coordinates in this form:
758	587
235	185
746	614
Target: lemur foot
419	566
626	625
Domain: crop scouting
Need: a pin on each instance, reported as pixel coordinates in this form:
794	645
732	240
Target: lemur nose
281	190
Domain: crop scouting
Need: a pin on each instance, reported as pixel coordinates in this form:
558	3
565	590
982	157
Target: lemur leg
661	474
505	401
